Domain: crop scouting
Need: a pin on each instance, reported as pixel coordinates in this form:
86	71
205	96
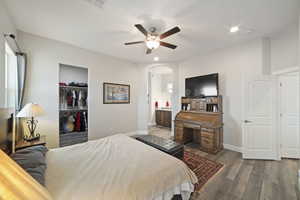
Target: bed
116	167
113	168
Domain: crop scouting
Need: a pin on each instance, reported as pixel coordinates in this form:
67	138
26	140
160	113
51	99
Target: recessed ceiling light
234	29
156	58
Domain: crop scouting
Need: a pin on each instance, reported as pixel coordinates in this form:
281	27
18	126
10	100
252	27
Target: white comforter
115	168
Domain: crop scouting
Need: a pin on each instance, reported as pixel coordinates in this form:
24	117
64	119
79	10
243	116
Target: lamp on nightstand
31	111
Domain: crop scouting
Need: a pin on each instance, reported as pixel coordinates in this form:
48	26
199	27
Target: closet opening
73	105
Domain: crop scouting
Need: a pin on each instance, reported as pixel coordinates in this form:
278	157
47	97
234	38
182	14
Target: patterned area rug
204	168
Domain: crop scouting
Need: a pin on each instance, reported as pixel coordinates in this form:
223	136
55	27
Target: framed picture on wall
114	93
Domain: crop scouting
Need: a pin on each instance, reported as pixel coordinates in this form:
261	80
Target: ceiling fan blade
170	32
142	29
149	51
165	44
130	43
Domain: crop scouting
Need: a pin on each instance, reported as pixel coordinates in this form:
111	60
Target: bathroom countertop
164	109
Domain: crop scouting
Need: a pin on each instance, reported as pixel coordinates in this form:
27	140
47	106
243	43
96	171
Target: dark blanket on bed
32	160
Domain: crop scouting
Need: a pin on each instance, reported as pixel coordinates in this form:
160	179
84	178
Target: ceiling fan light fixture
153	39
152	42
234	29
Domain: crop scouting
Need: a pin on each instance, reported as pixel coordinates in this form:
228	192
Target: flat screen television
202	86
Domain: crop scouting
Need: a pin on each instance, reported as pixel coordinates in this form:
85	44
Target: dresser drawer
207	143
208	135
210	130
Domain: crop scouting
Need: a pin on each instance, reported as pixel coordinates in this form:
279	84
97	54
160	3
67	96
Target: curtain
21	79
20	87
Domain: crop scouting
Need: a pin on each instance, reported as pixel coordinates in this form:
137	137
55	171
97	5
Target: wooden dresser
200	124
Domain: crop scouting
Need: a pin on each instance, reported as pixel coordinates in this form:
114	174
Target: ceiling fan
153	39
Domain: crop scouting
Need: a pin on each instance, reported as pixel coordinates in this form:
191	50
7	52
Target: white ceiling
104	28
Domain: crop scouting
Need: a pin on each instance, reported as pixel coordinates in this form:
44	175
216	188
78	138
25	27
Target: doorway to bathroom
160	86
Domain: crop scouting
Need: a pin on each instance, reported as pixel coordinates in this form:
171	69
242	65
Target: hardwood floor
246	179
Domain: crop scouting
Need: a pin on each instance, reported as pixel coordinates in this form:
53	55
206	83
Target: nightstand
23	144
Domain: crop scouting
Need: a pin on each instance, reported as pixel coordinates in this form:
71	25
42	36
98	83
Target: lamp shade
31	110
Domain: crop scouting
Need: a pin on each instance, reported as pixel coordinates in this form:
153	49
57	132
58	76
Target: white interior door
289	115
259	136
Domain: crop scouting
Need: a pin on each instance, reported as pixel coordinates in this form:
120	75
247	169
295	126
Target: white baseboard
138	132
142	132
151	124
233	148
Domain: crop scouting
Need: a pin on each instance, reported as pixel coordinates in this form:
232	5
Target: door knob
247	121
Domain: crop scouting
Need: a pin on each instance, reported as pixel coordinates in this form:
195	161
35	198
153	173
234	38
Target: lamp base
31	127
32	138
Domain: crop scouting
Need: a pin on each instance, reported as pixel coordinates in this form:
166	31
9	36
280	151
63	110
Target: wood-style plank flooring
246	179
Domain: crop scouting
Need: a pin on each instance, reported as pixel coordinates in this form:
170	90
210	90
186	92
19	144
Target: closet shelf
73	87
72	109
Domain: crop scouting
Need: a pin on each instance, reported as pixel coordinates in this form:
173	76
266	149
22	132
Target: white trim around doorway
277	74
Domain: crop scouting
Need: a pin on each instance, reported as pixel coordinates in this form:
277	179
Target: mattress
116	167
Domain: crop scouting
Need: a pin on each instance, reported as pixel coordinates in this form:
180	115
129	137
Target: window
10	77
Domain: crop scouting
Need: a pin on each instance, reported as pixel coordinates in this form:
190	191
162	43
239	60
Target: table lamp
31	111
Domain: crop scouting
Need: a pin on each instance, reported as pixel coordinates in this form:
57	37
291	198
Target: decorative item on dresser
202	124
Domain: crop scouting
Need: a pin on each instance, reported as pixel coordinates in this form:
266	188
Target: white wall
166	95
233	65
6	27
68	74
44	56
285	47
